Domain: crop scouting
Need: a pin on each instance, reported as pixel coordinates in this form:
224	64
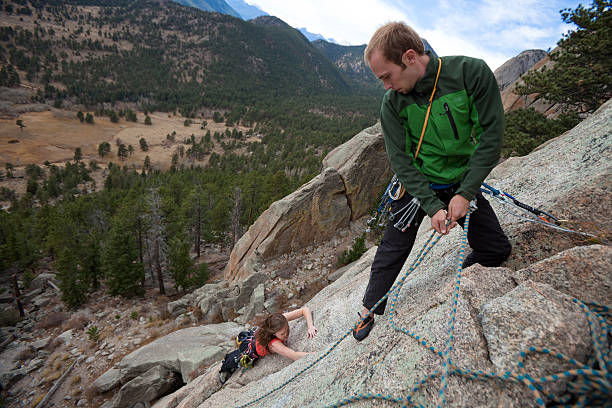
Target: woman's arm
279	348
307	314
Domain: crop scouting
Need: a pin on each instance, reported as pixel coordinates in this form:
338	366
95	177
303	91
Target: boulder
311	214
146	387
107	381
41	343
41	301
536	315
40	281
363	165
180	352
66	336
256	305
581	272
206	385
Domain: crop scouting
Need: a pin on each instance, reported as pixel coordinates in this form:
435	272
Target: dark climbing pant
231	361
490	246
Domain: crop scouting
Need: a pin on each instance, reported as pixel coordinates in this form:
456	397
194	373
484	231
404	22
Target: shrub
357	249
94	333
134	315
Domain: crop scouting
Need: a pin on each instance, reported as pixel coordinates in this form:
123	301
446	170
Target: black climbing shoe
364	328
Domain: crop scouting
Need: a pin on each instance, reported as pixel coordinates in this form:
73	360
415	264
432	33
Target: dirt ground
55	134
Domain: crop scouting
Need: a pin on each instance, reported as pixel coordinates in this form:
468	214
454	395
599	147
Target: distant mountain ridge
247	11
219	6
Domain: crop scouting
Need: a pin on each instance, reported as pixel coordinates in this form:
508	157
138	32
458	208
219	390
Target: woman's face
282	334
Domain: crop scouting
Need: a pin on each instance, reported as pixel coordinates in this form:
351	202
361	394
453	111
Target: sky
494	30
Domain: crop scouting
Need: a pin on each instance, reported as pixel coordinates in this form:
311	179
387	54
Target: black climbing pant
231	361
490	246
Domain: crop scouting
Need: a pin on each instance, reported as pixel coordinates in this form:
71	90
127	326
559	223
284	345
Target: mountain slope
218	6
166	55
247	11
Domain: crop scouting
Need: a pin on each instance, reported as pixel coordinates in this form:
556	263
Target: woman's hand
312	331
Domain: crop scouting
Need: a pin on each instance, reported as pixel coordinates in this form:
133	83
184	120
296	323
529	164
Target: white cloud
489	29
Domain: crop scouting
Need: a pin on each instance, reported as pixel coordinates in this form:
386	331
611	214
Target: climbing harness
590	384
246	344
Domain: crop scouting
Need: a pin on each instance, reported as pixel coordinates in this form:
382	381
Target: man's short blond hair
393	39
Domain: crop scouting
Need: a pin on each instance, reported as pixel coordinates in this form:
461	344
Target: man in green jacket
443	124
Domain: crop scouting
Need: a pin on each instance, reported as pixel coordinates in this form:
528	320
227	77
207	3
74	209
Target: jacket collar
425	84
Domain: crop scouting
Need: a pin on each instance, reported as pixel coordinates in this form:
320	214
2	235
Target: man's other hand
457	208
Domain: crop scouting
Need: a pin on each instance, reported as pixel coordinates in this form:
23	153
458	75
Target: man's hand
457	208
438	222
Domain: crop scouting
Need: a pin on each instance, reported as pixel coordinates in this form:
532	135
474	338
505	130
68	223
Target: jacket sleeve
488	118
411	178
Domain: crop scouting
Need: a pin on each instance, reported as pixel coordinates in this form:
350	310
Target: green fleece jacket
464	133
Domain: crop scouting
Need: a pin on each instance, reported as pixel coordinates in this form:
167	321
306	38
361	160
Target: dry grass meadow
54	135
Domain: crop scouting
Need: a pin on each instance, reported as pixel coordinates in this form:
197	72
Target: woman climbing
269	337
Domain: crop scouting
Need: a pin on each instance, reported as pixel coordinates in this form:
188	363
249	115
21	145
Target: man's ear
409	57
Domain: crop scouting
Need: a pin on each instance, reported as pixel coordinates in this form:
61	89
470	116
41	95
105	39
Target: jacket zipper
451	120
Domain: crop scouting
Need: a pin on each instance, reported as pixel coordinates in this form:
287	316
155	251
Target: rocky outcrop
363	165
499	311
512	101
147	387
181	352
570	177
512	69
319	208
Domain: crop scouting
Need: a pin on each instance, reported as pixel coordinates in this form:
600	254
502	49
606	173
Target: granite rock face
354	174
180	352
499	311
512	69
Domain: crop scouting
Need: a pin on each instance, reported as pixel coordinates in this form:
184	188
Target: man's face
392	75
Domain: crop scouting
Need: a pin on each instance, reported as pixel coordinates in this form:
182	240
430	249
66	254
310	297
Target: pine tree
143	144
581	77
122	152
147	120
181	264
156	237
124	273
78	154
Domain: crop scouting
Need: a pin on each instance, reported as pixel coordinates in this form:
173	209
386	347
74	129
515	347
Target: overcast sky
493	30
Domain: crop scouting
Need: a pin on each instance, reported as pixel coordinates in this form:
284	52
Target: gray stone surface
66	336
256	305
107	381
194	393
40	281
535	314
583	272
146	387
512	69
569	177
363	165
181	352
